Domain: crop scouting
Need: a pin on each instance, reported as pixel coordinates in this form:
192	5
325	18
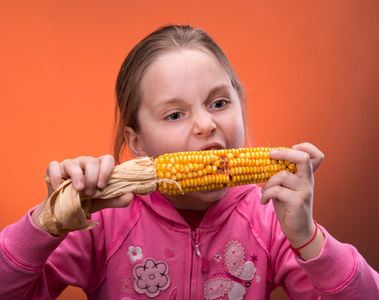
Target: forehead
183	71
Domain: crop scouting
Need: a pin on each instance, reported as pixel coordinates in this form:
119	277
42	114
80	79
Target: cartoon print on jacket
151	277
134	253
237	269
168	251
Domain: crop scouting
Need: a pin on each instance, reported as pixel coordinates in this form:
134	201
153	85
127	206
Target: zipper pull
205	264
197	250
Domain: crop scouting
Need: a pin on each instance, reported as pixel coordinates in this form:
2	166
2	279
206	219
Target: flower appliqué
237	270
218	257
134	253
151	277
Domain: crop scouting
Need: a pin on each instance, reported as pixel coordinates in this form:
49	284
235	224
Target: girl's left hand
292	194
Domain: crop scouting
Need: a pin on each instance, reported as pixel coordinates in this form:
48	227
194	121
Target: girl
176	91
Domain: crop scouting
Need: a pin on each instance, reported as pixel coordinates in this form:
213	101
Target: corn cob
184	172
210	169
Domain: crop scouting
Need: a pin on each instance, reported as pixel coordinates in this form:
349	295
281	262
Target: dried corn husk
68	209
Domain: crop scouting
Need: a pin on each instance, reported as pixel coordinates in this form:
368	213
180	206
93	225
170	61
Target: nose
203	124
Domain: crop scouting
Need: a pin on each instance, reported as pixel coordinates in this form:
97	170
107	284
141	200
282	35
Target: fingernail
101	184
274	152
89	192
78	185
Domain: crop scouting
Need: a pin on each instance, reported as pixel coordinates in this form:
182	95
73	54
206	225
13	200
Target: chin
210	196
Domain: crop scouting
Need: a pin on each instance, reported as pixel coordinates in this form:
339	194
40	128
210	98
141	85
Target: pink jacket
148	251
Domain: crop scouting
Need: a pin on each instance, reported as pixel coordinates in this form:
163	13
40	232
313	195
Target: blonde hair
162	41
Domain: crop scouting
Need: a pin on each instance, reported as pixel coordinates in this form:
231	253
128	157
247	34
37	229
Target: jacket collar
215	215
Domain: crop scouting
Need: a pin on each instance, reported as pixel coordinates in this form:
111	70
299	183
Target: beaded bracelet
296	251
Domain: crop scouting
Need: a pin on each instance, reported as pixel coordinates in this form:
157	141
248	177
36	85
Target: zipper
205	265
193	234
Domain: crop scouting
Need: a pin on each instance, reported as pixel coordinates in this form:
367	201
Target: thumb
118	202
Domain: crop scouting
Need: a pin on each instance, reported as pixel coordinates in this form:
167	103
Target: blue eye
218	104
174	116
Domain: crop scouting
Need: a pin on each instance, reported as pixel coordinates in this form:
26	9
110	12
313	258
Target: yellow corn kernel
173	170
210	169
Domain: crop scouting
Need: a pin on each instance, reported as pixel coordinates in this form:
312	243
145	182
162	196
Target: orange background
310	68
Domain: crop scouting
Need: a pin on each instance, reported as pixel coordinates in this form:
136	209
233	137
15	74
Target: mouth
212	147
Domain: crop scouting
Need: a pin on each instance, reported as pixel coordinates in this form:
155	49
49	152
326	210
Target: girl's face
187	104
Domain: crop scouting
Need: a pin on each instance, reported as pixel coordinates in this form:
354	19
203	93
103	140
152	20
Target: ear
134	142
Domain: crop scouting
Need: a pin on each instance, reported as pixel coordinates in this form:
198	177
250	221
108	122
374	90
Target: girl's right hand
87	174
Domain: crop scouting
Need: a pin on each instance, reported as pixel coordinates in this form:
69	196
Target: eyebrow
211	93
217	89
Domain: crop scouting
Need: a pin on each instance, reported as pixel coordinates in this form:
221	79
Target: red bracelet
296	251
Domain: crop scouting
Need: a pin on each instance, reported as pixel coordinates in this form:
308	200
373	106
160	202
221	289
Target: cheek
158	141
238	138
235	131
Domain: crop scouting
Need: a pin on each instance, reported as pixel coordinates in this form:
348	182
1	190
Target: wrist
313	247
35	215
302	245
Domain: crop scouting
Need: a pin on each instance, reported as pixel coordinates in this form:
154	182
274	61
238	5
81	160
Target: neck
197	201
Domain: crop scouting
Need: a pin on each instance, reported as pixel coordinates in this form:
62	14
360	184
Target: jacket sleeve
37	265
284	270
340	272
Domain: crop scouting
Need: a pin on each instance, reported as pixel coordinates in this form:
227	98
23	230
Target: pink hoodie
148	251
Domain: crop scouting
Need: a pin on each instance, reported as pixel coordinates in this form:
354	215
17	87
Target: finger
90	166
71	168
276	192
285	179
302	196
315	154
300	158
106	168
54	172
122	201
